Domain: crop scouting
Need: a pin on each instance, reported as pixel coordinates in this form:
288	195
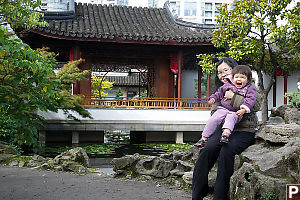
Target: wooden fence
145	103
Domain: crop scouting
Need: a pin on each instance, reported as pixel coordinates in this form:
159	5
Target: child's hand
211	102
241	112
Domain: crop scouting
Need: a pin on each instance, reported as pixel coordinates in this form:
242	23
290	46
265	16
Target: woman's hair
229	61
243	69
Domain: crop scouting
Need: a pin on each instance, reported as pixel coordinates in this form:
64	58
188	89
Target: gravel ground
27	183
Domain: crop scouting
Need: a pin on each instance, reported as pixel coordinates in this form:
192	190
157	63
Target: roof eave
93	38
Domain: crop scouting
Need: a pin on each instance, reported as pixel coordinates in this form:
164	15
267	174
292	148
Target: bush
294	98
8	127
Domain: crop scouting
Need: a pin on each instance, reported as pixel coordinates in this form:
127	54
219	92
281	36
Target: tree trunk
264	106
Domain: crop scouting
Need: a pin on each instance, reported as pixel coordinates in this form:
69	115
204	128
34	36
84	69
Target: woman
241	138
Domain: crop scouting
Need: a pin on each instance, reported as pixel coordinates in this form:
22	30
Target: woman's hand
228	94
211	102
241	112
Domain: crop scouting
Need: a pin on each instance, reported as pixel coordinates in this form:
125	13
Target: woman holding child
224	141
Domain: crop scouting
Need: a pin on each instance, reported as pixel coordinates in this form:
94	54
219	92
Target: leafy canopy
28	83
262	33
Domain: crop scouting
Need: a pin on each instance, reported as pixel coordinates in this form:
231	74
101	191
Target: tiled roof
125	24
132	80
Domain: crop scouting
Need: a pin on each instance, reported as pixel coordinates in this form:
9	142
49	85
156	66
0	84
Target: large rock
247	183
283	162
281	133
155	166
77	155
6	149
289	113
188	177
181	168
125	161
255	153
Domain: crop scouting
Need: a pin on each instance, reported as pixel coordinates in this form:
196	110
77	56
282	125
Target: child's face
240	80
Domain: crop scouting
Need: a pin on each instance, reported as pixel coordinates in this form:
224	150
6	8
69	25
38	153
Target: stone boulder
76	155
248	183
6	149
280	133
181	168
125	162
289	113
154	166
188	177
283	162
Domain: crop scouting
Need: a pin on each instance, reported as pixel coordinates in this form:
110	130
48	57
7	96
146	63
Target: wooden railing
145	103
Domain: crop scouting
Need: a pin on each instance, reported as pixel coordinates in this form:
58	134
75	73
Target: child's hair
243	69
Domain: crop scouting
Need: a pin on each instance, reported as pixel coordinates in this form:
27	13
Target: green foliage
206	62
99	86
168	147
28	83
294	98
119	93
253	32
270	196
8	127
21	13
90	149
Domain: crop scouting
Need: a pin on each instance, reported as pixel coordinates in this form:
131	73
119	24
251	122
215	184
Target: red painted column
180	63
285	76
75	55
208	86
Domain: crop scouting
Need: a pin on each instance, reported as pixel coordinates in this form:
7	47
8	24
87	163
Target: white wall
188	83
293	78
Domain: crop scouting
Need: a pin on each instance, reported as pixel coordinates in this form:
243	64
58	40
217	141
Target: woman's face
223	70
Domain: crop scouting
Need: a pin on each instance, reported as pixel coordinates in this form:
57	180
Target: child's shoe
201	142
225	136
224	139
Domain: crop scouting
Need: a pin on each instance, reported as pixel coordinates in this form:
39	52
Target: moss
25	159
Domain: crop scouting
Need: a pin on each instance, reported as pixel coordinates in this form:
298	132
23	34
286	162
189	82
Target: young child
241	84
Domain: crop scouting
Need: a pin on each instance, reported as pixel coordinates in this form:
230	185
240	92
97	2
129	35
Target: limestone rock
5	157
247	183
282	162
154	166
281	133
125	161
181	168
289	113
77	155
188	177
255	153
6	149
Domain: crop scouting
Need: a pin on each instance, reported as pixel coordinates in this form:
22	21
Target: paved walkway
26	183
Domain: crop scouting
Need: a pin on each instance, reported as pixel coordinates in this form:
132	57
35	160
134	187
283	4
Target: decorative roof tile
127	24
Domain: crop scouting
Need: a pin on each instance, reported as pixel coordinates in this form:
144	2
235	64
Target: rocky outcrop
74	160
273	161
261	171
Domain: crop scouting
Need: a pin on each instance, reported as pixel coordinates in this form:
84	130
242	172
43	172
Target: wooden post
180	63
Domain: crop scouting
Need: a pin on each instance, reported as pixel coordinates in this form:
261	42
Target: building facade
198	11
